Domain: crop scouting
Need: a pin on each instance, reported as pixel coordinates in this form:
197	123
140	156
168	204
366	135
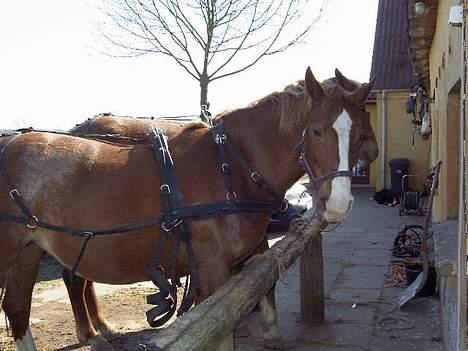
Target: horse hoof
108	331
98	343
242	332
275	344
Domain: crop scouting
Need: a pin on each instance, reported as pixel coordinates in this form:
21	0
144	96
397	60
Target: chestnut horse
82	183
88	317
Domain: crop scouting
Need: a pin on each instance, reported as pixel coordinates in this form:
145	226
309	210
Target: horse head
331	144
369	150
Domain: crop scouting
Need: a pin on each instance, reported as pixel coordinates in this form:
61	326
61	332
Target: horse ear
363	92
344	82
312	85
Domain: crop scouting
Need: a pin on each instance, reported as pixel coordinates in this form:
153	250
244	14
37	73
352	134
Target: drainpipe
383	139
461	276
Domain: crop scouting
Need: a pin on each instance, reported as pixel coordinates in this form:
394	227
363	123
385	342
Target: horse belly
112	259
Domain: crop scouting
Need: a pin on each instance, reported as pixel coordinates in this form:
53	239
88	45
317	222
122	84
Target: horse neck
269	151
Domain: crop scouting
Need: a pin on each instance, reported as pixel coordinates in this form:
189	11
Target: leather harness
176	217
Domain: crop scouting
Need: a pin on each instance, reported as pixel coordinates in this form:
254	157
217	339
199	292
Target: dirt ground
52	323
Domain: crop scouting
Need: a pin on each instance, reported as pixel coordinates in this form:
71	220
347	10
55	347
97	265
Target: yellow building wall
399	132
445	79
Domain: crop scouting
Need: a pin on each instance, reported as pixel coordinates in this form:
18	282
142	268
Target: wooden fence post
312	288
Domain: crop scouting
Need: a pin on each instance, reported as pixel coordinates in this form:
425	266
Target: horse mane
292	104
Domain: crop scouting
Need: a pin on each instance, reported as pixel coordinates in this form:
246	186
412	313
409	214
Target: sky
52	77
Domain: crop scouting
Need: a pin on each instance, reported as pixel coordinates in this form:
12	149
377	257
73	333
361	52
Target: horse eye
362	108
317	133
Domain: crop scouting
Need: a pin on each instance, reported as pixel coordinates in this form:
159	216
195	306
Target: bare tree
209	39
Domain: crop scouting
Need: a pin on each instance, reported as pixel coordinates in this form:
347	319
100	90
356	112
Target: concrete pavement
358	307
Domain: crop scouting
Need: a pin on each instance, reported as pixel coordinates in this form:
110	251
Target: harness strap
195	212
80	256
13	192
221	139
171	198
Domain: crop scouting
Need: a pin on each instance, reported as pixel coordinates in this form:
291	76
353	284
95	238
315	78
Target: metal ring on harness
221	139
225	167
14	191
88	234
168	227
32	221
231	195
167	187
284	207
255	176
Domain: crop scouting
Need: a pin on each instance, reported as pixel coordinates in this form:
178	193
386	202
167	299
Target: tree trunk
204	90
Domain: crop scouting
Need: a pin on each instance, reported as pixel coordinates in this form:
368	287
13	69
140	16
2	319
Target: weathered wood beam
312	285
210	323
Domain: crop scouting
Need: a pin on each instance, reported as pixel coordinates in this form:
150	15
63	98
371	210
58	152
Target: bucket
412	272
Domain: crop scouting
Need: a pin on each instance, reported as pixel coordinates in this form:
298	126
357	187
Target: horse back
94	181
131	126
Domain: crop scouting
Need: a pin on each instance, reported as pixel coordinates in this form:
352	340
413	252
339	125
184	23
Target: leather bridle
315	182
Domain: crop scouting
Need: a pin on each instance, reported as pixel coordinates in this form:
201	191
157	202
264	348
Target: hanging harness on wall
418	106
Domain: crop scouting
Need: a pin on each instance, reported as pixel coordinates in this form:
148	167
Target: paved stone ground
357	261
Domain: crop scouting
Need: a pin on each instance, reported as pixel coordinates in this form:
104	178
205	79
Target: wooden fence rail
209	326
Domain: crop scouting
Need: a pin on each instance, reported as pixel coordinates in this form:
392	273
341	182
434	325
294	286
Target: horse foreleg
269	321
18	295
212	277
268	315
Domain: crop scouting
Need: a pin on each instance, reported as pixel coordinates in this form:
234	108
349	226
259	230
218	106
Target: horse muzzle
332	216
340	201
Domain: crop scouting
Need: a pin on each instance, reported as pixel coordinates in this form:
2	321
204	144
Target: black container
399	168
412	272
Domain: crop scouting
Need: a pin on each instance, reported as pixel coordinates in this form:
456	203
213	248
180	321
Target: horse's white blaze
269	320
340	200
26	343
